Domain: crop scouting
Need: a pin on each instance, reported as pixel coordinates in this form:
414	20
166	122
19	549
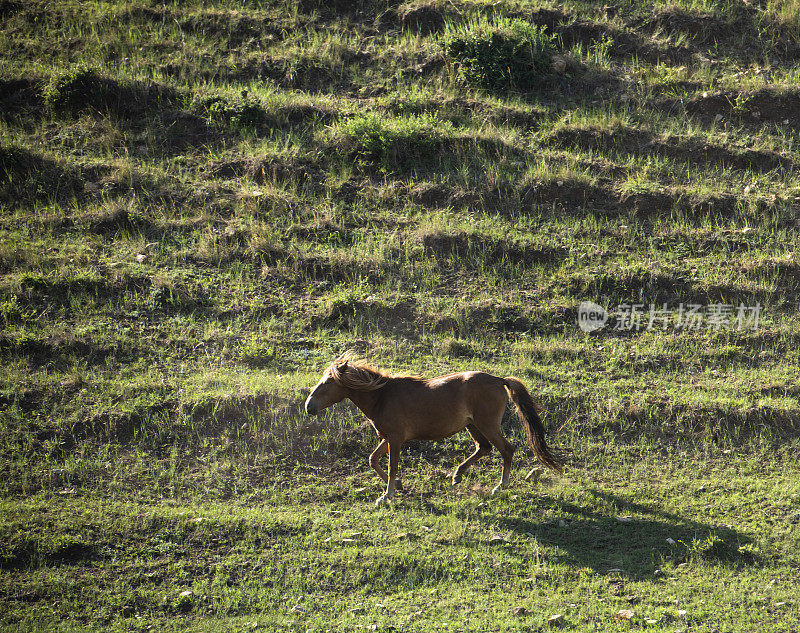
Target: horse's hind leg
506	449
482	447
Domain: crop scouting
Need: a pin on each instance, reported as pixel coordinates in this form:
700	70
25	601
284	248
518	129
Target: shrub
10	310
500	55
82	87
75	89
394	141
239	113
255	352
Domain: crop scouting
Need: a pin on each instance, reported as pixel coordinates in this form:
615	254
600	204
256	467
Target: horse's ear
343	366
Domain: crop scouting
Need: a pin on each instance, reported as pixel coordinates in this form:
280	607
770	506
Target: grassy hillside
203	203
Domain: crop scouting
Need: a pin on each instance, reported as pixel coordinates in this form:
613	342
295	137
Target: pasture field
202	203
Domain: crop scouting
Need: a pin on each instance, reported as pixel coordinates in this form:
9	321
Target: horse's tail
528	412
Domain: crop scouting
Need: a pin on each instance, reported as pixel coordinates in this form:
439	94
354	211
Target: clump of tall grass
75	88
375	137
787	12
499	54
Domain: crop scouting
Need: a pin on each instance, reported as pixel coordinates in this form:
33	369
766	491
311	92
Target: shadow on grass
691	151
636	546
26	177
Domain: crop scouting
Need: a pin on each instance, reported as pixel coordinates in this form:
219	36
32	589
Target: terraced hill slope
222	194
204	202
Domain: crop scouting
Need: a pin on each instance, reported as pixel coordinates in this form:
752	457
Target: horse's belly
438	427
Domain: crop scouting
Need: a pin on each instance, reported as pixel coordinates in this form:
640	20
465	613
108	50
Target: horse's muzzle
311	408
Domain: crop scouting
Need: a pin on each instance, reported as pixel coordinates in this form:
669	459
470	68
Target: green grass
507	54
294	547
202	204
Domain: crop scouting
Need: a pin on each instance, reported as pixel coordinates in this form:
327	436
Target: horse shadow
636	540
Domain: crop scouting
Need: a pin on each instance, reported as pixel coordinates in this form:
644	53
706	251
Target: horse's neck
366	401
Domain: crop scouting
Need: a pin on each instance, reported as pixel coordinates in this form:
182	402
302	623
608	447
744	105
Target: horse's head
327	392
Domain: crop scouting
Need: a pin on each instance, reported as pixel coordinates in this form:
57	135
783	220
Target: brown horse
403	408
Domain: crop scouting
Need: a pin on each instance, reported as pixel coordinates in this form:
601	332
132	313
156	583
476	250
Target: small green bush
75	89
239	113
84	88
344	305
713	548
500	55
393	141
255	352
10	310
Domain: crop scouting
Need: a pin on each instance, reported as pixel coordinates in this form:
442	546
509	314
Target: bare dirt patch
464	110
29	553
632	285
645	203
579	196
309	75
510	199
238	29
90	91
658	287
702	27
429	194
40	292
54	351
323	231
752	108
420	153
233	26
115	219
238	114
180	130
572	193
277	262
500	318
398	317
741	33
345	8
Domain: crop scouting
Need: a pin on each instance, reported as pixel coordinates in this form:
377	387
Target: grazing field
202	203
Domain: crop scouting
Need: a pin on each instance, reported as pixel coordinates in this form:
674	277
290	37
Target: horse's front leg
375	462
391	486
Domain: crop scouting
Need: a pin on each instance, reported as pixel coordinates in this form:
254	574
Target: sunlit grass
240	193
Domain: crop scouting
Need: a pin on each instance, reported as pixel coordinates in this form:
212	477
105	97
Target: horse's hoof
382	501
498	488
456	479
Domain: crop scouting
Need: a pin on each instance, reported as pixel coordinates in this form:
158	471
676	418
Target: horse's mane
357	374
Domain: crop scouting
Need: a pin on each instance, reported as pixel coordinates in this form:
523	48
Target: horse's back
469	378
